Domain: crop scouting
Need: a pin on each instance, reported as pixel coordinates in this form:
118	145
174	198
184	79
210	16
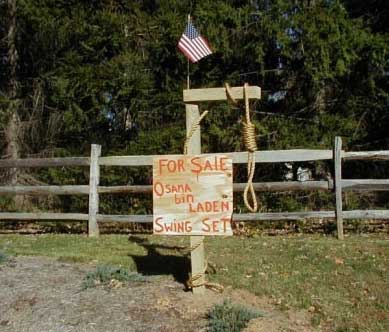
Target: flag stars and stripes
193	45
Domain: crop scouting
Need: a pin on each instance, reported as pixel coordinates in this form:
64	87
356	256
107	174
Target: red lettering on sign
164	188
197	166
213	206
179	227
174	227
209	225
208	166
215	164
206	227
215	226
225	206
180	165
171	165
226	221
183	198
192	195
161	163
223	166
158	189
158	224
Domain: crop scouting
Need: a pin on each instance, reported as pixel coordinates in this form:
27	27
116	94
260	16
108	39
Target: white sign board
192	195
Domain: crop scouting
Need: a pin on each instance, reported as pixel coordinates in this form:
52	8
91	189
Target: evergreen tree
109	72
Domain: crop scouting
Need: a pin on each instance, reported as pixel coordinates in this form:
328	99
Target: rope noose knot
250	142
249	136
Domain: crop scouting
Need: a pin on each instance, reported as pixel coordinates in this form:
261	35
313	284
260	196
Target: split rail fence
301	155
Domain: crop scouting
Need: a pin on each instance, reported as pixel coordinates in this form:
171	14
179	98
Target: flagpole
187	77
187	68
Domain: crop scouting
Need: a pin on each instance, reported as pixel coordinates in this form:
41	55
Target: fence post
338	186
196	242
94	179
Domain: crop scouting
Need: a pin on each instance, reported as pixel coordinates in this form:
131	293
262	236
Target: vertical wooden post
338	186
94	179
197	255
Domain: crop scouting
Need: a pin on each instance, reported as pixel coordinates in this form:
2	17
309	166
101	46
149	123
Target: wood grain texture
140	189
347	185
273	216
270	156
43	216
147	218
287	186
215	94
338	186
366	155
94	179
366	214
277	156
44	190
192	196
365	185
132	218
44	162
198	254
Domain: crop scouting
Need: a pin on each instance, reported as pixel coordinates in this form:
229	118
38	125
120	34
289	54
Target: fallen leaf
311	309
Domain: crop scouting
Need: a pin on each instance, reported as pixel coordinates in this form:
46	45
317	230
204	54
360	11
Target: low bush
229	317
107	274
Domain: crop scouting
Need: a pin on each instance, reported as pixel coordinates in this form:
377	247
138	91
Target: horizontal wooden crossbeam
214	94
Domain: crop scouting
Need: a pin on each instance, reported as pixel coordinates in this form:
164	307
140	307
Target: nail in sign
192	195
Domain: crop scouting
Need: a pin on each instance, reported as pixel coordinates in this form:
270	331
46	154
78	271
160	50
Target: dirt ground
40	294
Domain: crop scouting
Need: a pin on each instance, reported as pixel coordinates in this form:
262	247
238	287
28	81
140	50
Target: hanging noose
249	139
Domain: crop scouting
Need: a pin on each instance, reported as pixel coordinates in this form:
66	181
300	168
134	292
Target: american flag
193	45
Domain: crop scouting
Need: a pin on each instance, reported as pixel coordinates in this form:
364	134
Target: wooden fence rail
298	155
96	163
347	185
148	218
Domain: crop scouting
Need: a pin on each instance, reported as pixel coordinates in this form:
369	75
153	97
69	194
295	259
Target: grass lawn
344	284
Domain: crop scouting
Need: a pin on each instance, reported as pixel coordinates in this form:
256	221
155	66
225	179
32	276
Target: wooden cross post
191	98
194	147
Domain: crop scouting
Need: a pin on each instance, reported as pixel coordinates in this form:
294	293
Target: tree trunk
12	148
12	131
12	51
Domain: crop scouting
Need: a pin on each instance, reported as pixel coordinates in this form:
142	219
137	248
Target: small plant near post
229	317
110	276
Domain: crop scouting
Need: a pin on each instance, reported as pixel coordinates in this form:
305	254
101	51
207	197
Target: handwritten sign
192	195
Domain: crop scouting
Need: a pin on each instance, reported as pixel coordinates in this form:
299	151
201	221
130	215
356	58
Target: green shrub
228	317
104	274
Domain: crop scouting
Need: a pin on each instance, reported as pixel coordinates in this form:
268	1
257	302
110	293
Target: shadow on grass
157	263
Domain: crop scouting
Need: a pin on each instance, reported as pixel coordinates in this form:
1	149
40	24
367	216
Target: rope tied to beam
249	139
193	129
195	280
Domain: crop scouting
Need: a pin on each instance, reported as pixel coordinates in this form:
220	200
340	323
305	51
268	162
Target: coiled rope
250	143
